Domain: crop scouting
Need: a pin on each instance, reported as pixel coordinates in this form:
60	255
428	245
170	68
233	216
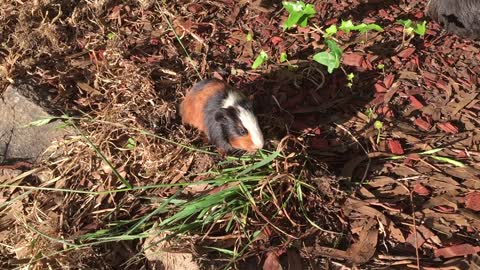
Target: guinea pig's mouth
244	143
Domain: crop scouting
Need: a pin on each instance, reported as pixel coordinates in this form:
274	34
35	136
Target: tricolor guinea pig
461	17
224	114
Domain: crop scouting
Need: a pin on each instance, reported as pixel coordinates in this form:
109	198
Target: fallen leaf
388	80
391	92
350	166
363	208
465	100
472	201
272	262
406	53
409	75
195	8
395	147
415	242
441	201
457	250
364	249
380	88
421	190
275	40
422	124
415	102
351	59
448	127
430	76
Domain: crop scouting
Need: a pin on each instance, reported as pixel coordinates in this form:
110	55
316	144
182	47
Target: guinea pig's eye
242	131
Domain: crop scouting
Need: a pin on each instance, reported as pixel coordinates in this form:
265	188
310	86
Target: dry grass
98	60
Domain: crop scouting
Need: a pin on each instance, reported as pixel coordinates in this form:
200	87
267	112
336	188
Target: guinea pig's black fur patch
223	123
461	17
200	85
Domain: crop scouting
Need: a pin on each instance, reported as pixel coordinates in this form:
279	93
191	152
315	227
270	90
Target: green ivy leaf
337	52
363	27
308	12
410	27
259	60
420	29
283	57
347	26
329	59
405	23
298	14
330	31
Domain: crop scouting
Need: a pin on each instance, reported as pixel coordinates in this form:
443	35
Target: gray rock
20	105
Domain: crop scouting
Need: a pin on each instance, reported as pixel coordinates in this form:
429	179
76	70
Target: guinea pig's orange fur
243	142
191	108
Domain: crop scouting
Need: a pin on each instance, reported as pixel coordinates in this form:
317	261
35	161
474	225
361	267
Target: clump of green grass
244	195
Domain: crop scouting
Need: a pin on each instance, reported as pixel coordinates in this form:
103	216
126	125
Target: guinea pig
223	114
461	17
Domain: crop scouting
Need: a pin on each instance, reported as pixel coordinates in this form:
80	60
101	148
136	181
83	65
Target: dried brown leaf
472	201
364	249
457	250
363	208
272	262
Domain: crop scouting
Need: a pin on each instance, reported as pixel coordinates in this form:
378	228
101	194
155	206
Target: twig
415	230
181	44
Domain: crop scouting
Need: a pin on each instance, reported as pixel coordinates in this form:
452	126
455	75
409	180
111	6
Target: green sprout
350	77
369	112
330	59
410	27
347	26
330	31
131	143
262	57
298	14
378	125
283	57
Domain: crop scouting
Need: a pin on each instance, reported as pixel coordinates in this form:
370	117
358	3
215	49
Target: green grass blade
260	164
449	160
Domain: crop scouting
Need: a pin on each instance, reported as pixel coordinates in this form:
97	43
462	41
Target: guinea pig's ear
221	115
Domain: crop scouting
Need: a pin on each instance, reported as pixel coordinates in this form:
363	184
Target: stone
21	105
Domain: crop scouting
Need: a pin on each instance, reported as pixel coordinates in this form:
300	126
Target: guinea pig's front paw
222	152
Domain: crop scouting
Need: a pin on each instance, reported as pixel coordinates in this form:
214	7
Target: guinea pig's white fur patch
248	119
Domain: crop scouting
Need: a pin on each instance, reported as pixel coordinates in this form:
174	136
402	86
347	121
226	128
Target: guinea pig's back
192	108
461	17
